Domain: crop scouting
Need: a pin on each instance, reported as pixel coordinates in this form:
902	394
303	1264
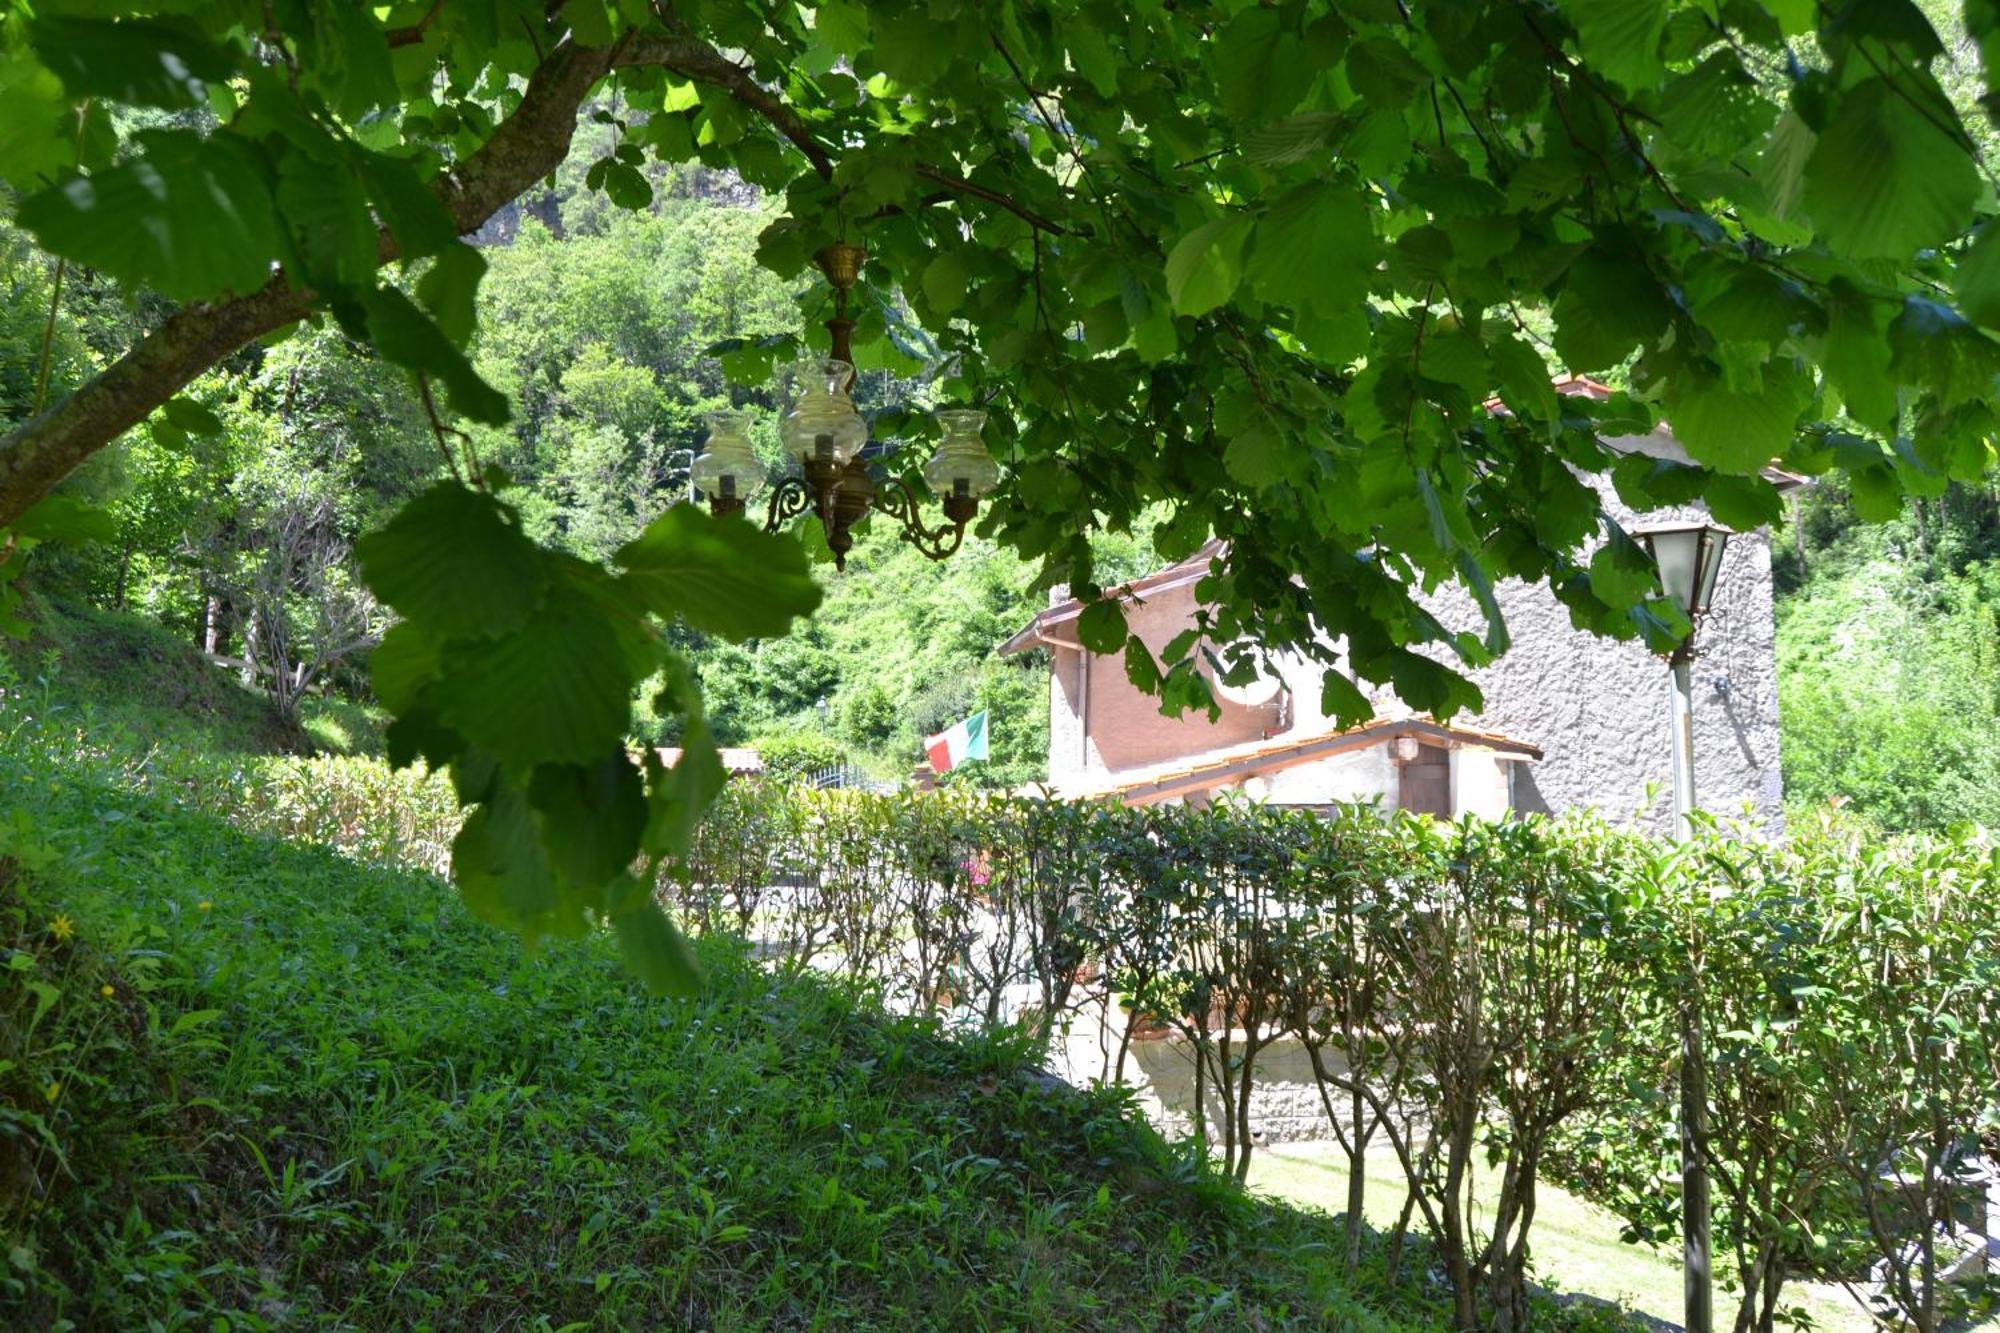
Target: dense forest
610	328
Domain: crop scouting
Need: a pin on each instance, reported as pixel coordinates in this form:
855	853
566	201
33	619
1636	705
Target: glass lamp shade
1689	556
961	465
728	468
823	423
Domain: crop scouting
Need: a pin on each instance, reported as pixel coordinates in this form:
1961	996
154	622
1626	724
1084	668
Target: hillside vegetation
263	1083
1889	657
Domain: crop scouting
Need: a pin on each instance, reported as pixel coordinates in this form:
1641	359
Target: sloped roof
1213	768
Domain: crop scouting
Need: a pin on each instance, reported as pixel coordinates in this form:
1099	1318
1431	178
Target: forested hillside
1889	656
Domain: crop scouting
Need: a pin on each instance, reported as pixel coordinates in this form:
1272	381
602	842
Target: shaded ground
1575	1243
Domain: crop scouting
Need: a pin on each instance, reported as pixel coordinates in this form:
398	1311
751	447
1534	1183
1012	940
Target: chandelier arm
789	498
899	502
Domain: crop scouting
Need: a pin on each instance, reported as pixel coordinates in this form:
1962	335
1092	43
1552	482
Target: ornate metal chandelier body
824	433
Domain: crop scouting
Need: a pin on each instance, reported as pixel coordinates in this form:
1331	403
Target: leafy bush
790	756
1508	988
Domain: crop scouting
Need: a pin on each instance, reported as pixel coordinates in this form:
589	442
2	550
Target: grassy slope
317	1092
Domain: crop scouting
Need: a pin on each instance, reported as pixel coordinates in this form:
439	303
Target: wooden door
1425	782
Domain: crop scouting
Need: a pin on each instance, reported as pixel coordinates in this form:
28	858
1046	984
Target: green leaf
1732	429
401	666
656	951
140	61
454	560
1856	356
404	334
64	518
677	796
1977	278
1261	67
1884	180
1621	573
592	816
1610	305
1293	139
503	874
1101	627
189	217
1206	265
449	289
37	124
1140	667
354	59
1743	503
1316	246
721	575
626	186
326	218
944	281
421	225
188	415
556	690
1621	38
1254	456
1342	700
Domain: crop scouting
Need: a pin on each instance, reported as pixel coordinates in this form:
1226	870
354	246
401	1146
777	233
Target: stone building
1570	719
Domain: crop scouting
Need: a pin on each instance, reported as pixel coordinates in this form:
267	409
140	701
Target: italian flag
955	745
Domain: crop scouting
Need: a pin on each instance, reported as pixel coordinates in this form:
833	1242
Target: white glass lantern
823	425
1689	556
728	468
961	466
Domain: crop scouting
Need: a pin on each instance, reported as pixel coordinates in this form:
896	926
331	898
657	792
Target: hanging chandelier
824	434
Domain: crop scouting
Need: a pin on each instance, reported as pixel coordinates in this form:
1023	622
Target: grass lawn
1575	1243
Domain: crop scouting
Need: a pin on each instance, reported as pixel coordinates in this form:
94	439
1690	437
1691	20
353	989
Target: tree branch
527	146
694	59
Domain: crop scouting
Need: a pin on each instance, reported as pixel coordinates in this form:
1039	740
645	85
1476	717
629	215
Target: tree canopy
1263	269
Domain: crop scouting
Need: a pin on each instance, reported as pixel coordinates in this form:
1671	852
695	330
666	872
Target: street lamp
1689	555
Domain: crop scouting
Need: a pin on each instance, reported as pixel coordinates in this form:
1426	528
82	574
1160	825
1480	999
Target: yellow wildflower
203	906
62	927
107	990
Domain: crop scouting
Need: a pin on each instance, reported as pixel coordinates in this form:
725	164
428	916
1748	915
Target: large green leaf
189	217
1621	38
407	336
454	560
1206	264
143	61
1316	246
680	794
64	518
327	222
1737	429
592	816
500	868
1885	178
1261	69
720	575
656	951
553	691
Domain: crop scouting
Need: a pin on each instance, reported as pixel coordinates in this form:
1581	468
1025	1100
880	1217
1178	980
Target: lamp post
1688	556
